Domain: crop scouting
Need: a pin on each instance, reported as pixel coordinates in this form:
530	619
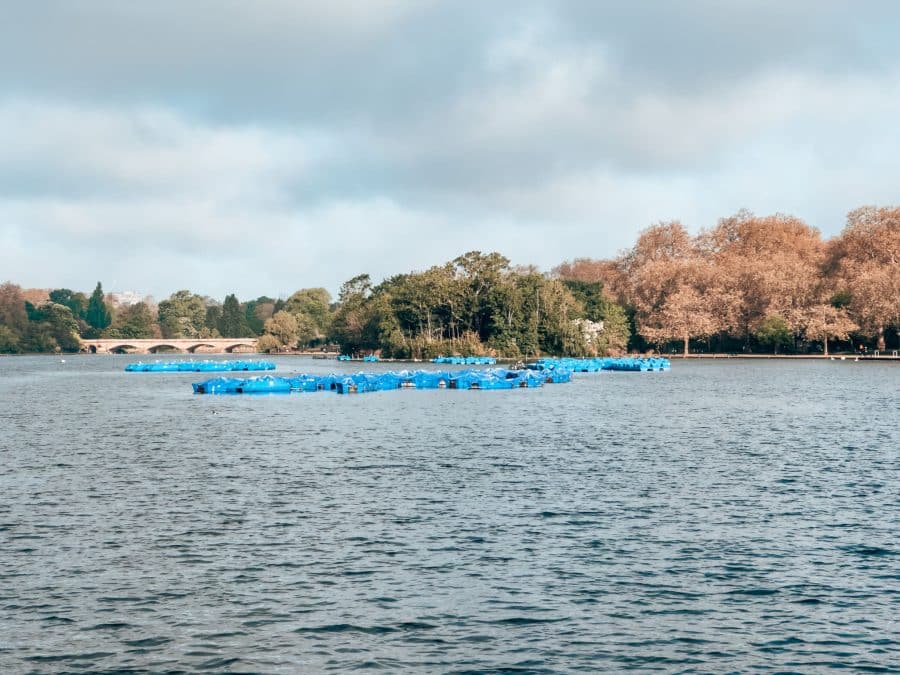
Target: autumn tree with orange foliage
670	282
764	267
750	273
865	261
824	322
13	318
684	314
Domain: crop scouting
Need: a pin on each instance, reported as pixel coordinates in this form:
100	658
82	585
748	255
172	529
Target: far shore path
889	355
846	356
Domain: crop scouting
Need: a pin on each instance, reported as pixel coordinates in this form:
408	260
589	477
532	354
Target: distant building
590	329
126	298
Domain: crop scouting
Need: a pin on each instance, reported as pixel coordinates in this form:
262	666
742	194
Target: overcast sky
261	147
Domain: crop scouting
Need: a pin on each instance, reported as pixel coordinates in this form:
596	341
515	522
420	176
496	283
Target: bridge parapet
159	345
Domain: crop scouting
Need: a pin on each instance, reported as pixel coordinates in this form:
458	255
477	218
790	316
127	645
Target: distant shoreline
846	356
881	358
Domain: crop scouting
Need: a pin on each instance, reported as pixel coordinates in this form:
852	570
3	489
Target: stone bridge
192	345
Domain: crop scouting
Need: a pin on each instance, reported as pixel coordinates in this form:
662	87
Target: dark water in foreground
723	516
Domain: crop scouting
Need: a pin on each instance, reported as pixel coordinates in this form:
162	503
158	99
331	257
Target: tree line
753	283
750	283
66	317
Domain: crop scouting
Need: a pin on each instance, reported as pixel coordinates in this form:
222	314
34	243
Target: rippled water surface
727	515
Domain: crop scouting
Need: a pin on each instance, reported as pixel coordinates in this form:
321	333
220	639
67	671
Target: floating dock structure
537	374
466	360
359	383
198	366
628	364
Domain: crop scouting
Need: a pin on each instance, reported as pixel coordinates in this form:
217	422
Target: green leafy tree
63	326
213	319
591	296
382	330
233	322
268	343
133	321
774	333
480	276
557	328
98	315
183	314
257	312
599	308
76	301
523	300
315	305
349	327
53	329
416	304
32	312
10	341
616	332
283	327
39	338
511	334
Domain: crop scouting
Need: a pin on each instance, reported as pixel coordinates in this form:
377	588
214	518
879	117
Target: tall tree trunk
826	345
880	344
686	338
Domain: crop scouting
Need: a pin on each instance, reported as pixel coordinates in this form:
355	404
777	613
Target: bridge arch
250	346
193	348
122	348
162	346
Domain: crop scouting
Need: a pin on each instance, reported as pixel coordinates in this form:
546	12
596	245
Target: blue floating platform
198	366
532	376
626	364
360	383
465	360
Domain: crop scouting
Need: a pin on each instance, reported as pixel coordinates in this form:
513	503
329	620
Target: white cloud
145	150
303	145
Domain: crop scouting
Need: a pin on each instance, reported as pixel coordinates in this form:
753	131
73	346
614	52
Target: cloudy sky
260	147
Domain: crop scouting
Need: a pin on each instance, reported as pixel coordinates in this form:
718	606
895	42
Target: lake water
725	516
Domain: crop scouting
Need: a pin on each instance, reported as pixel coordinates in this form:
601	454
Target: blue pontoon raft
621	363
359	383
466	360
198	366
533	375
